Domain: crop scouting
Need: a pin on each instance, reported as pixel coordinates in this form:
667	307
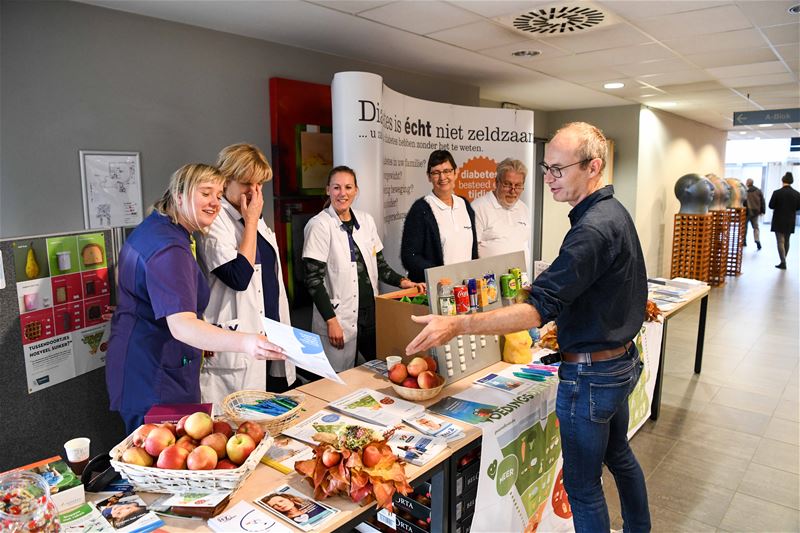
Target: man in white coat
503	223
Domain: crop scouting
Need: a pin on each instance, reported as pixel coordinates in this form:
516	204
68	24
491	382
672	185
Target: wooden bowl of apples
418	380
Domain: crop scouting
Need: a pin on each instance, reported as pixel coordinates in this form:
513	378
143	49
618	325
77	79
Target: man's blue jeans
592	409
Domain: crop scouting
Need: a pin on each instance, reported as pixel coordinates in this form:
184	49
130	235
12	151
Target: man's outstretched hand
438	330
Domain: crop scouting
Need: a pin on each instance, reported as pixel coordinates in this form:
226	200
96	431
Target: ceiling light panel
704	21
478	35
420	17
648	8
732	57
735	71
618	35
715	42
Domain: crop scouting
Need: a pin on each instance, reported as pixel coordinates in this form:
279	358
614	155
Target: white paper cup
77	449
393	360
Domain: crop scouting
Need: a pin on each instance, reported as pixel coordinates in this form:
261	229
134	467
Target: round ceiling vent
557	20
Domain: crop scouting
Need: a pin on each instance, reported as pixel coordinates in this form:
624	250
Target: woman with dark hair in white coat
343	262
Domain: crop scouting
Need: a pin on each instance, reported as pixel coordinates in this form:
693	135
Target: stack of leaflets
285	452
122	512
378	366
295	508
192	504
415	448
325	422
245	517
432	425
378	408
464	410
503	383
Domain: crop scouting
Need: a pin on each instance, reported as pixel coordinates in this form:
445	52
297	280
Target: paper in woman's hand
302	348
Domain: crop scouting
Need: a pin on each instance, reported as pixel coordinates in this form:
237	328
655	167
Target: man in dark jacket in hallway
785	202
756	206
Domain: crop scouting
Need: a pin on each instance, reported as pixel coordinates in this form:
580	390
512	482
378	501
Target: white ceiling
702	60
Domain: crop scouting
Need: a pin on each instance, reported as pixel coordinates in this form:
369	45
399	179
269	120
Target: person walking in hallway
785	202
756	206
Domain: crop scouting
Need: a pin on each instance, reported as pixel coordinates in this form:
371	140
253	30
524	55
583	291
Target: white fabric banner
386	137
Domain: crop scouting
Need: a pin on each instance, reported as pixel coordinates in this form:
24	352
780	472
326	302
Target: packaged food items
508	286
447	302
472	290
491	286
483	293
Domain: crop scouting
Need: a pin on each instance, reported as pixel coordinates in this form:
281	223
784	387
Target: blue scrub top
158	276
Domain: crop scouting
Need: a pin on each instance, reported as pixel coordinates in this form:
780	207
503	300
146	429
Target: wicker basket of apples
418	380
197	453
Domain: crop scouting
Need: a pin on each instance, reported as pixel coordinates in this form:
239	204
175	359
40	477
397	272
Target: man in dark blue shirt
596	291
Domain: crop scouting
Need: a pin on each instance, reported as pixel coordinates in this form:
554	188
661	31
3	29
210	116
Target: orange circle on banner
475	177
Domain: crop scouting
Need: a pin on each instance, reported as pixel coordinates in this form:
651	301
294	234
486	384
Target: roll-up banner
386	137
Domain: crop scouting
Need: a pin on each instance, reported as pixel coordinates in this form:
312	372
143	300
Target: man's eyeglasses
557	172
511	187
439	173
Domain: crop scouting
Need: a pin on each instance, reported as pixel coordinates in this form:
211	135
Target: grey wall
620	124
74	76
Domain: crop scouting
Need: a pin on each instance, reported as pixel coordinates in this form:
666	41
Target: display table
698	356
442	470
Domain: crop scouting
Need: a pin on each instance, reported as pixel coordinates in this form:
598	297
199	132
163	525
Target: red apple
179	430
410	383
252	429
198	425
170	426
216	441
202	458
187	442
370	456
172	458
226	464
220	426
417	366
398	373
140	435
331	457
137	456
432	366
428	380
158	439
239	447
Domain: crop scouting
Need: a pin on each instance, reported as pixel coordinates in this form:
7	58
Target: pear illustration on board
31	265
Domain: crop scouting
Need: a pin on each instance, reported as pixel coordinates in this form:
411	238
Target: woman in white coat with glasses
343	262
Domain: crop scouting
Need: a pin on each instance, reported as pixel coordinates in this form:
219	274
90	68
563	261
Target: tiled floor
723	455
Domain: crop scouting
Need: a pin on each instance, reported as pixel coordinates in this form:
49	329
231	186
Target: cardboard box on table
394	328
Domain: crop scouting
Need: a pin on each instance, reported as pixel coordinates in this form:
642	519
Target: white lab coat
326	241
228	372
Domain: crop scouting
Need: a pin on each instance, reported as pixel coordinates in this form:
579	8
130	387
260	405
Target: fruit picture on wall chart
30	259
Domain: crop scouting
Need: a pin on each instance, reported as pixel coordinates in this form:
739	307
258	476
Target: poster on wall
112	189
386	137
62	289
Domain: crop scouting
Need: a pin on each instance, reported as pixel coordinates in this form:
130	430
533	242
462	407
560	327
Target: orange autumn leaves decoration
362	468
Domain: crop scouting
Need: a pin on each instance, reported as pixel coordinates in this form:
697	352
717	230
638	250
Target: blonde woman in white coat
241	260
343	261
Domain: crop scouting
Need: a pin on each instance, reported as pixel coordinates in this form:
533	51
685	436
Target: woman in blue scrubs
157	334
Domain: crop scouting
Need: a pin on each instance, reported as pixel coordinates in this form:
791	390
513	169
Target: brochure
245	517
127	513
432	425
415	448
464	410
303	348
503	383
378	408
378	366
84	519
196	499
292	506
325	422
285	452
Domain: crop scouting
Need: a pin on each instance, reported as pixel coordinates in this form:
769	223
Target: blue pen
531	377
545	373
